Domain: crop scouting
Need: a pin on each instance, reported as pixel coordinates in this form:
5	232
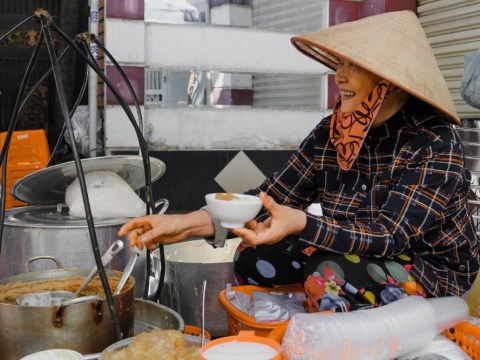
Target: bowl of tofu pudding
231	209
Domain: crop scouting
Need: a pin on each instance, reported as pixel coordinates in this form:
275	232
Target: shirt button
461	268
364	187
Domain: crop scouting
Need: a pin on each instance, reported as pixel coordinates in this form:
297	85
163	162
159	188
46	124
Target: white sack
109	196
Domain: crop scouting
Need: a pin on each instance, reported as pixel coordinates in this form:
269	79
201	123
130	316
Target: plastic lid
48	186
51	216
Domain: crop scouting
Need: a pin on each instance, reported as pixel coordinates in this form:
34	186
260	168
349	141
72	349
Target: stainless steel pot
150	315
187	265
48	231
190	340
86	327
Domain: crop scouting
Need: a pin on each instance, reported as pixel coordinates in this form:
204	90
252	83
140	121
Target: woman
387	168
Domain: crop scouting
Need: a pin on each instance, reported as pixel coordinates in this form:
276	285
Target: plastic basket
278	333
28	152
238	320
196	331
467	336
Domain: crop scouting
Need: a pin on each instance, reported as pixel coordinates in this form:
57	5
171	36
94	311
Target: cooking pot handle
40	257
164	206
82	299
57	319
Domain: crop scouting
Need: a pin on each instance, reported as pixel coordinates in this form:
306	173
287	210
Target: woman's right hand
151	230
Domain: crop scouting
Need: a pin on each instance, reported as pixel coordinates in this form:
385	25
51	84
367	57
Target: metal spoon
204	289
113	250
127	271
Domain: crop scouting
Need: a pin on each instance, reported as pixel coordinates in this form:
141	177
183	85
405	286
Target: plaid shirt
405	194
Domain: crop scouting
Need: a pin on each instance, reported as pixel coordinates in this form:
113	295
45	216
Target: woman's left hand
283	221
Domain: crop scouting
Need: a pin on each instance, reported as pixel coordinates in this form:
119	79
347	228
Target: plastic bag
274	306
241	301
109	196
440	348
81	125
268	306
470	84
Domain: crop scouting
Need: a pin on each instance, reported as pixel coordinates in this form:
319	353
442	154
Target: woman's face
354	84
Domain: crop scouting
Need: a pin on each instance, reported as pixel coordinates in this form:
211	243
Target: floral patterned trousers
331	281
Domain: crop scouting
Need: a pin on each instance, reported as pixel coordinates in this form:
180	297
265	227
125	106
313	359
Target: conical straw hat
392	45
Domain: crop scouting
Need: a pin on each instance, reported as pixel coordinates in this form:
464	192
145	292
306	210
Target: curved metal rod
77	102
125	78
125	107
8	136
79	98
146	160
141	139
72	111
17	26
142	143
81	178
42	79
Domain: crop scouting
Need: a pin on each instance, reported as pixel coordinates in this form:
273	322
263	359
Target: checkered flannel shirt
405	194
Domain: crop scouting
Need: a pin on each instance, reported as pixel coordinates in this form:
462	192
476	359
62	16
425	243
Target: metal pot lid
52	216
48	186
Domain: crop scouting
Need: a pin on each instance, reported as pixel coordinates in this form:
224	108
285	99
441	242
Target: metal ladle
127	271
113	250
204	290
59	297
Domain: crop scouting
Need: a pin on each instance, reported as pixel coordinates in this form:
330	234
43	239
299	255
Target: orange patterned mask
348	131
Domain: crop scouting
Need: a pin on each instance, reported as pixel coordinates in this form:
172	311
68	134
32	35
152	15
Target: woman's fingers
137	230
253	237
268	202
131	225
151	245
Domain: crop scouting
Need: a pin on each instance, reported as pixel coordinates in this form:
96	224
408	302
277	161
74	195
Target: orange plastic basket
28	152
238	320
467	336
196	331
278	333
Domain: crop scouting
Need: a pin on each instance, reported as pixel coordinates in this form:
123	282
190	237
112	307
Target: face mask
348	131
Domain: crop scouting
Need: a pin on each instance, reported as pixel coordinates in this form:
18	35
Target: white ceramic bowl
234	213
54	354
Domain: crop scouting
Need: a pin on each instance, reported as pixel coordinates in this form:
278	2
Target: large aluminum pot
86	327
48	230
150	315
187	265
189	341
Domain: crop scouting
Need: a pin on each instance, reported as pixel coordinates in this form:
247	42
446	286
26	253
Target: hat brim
392	46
